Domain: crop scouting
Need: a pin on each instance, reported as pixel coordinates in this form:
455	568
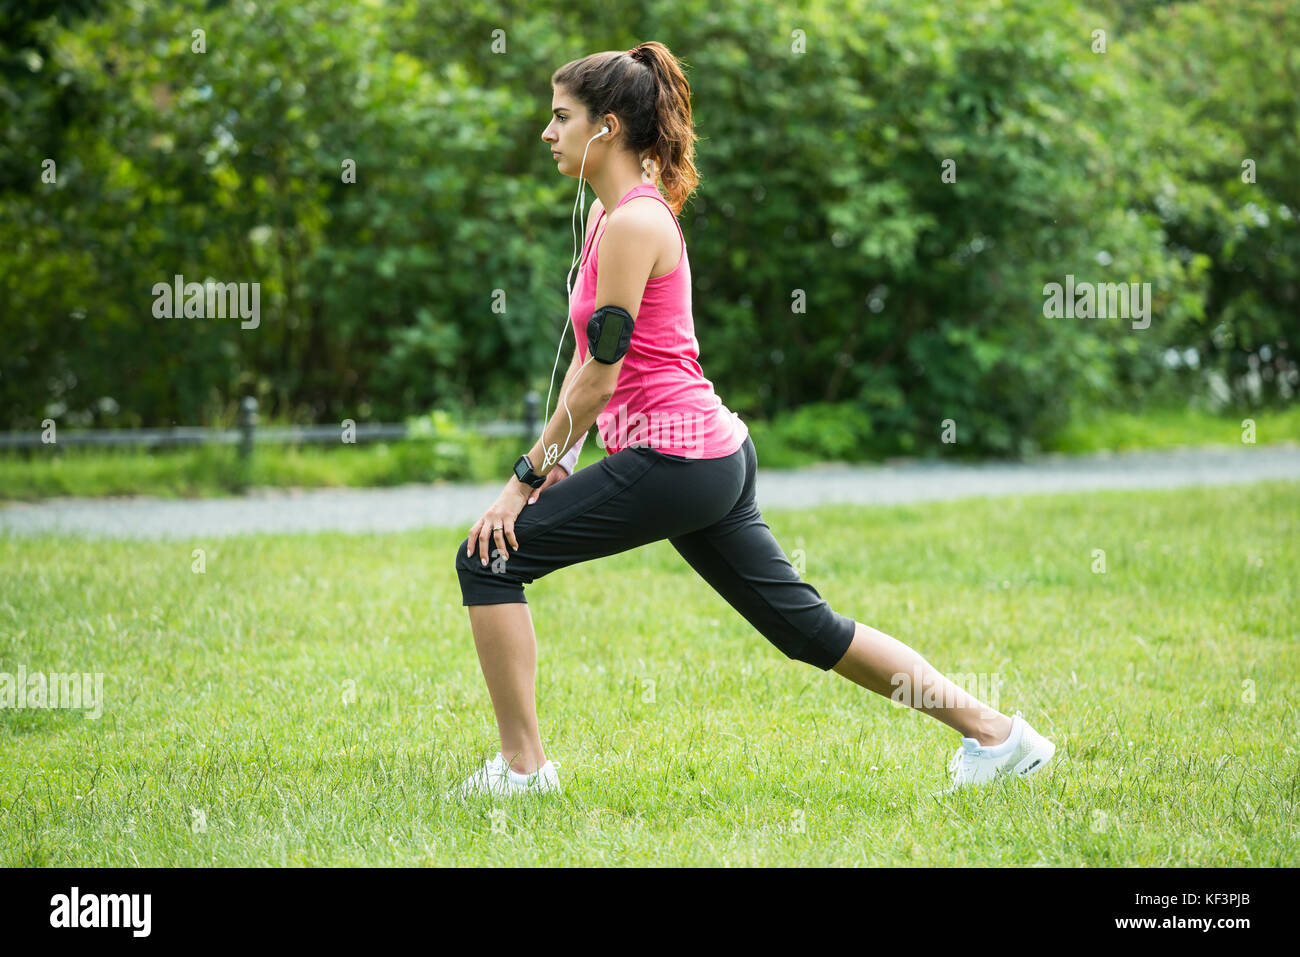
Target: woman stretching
686	470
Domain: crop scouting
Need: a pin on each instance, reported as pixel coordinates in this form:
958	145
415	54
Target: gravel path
459	506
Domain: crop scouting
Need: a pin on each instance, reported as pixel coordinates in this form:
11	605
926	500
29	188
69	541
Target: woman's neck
612	184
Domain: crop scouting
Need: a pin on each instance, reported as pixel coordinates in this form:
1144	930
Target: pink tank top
662	399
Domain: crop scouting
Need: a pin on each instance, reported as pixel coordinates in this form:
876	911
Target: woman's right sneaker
1025	752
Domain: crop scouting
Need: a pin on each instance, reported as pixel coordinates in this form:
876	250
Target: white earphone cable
551	453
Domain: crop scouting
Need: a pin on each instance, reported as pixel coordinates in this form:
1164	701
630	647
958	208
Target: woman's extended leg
886	666
742	561
739	557
507	653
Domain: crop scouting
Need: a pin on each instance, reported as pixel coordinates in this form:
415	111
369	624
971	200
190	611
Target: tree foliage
834	261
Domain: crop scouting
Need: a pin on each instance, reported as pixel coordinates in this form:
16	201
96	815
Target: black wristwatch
524	472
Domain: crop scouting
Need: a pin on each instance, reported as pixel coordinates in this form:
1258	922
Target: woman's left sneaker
497	778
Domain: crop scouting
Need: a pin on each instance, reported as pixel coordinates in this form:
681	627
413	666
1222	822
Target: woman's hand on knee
503	513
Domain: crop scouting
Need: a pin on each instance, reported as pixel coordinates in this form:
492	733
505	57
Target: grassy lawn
307	699
1173	428
211	471
215	471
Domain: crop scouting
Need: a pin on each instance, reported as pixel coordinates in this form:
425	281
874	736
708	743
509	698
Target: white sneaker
496	777
1025	752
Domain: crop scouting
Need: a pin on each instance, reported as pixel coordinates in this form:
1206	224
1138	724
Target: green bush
840	431
435	446
832	259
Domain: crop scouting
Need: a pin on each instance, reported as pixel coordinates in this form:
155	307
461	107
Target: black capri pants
705	507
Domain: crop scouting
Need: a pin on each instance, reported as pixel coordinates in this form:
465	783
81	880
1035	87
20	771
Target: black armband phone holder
609	333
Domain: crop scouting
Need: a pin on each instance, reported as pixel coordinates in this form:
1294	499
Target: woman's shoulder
671	242
648	204
648	220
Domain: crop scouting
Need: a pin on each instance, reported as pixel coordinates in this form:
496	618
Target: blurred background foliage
820	183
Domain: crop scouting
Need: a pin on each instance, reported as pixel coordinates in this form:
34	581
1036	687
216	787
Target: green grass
1099	430
1163	428
215	471
1169	683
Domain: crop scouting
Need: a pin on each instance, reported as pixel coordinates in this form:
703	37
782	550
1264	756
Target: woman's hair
648	91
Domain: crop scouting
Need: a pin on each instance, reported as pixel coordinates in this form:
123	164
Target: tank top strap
586	247
638	190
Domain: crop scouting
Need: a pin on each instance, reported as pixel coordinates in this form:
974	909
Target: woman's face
568	133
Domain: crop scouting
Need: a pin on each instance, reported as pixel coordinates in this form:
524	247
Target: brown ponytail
645	86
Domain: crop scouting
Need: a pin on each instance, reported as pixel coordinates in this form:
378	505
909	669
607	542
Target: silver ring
495	527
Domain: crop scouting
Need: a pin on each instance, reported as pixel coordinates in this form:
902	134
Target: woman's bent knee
489	584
